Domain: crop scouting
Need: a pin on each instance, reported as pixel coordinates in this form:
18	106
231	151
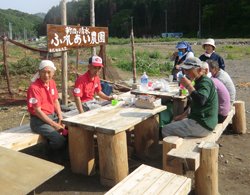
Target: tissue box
147	101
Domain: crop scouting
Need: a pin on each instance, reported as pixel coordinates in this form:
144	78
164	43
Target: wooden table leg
81	151
113	158
179	105
146	135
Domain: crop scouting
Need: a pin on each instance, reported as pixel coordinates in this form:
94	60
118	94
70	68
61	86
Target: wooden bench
201	154
19	138
149	180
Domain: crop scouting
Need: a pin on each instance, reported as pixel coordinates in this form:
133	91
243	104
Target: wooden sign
63	38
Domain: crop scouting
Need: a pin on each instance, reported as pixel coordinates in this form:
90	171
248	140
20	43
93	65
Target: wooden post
239	119
206	176
102	54
81	151
171	165
92	20
146	135
6	65
113	158
64	58
77	59
133	52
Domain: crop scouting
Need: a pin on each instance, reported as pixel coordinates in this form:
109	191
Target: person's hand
178	118
185	81
177	67
60	122
113	97
58	126
174	55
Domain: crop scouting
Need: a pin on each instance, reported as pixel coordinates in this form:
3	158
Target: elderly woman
210	54
44	107
184	52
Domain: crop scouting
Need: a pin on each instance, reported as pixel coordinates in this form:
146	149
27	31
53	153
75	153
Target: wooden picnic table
110	124
21	173
179	101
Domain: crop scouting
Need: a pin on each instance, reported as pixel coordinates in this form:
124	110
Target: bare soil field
234	155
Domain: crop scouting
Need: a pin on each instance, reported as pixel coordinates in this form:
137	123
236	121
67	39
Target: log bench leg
113	158
239	119
81	151
171	165
146	135
206	176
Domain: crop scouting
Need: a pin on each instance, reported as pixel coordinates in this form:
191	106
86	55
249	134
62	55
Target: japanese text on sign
62	38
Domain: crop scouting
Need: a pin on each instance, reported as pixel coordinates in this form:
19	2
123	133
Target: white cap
96	61
192	62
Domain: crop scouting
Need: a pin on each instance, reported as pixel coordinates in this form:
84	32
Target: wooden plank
189	151
19	138
130	181
70	113
105	119
21	173
159	184
179	184
148	180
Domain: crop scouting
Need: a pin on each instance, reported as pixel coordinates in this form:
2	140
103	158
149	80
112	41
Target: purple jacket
223	97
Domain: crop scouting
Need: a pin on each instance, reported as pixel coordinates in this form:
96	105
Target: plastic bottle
179	76
144	82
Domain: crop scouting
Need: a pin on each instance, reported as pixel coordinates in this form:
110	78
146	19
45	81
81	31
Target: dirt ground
234	155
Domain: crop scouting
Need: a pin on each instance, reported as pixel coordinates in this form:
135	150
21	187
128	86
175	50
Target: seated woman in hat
209	47
184	52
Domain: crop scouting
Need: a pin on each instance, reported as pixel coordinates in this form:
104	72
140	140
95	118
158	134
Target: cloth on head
46	63
209	42
96	61
184	45
42	65
191	62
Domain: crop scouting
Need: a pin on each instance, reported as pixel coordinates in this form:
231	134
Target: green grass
234	52
153	62
152	58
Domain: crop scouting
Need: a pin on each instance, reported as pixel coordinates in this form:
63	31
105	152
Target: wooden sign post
63	38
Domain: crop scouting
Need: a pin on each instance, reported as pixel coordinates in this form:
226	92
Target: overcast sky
29	6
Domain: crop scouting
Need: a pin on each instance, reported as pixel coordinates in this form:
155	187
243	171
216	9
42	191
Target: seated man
224	77
223	95
88	84
203	116
44	107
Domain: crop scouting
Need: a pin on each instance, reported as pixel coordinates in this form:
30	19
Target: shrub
25	66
